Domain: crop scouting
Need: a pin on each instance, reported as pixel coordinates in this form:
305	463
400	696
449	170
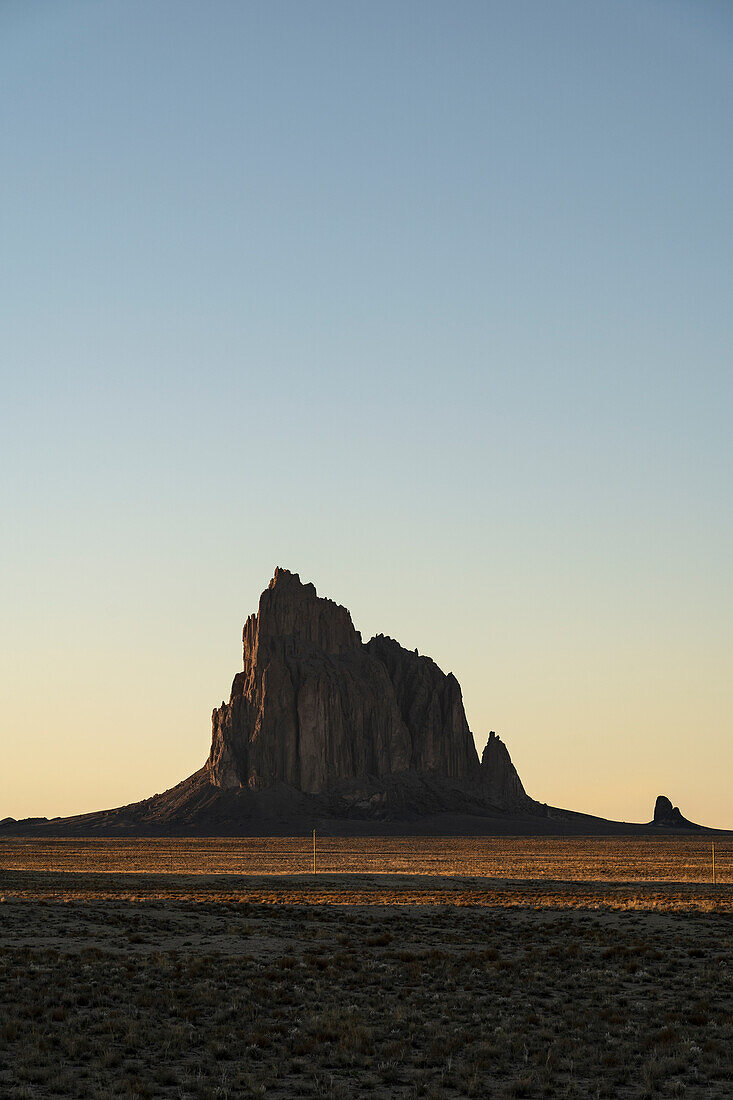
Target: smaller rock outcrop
499	776
669	817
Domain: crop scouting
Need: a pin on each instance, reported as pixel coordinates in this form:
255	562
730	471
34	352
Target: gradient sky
430	303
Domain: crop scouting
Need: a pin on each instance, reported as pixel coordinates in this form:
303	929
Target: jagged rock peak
315	708
499	773
289	609
284	578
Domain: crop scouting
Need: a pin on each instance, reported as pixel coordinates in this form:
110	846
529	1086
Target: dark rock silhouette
323	729
314	707
668	816
311	706
430	705
499	774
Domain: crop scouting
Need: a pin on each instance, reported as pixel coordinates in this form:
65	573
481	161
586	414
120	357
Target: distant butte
668	816
323	730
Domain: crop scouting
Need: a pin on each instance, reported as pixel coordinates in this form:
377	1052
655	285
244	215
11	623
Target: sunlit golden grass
372	890
651	859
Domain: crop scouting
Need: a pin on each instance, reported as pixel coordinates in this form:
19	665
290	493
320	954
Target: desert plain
405	967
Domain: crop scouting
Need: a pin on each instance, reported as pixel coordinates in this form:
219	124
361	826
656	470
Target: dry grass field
622	859
160	981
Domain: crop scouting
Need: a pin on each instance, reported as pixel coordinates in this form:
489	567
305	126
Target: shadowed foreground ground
348	985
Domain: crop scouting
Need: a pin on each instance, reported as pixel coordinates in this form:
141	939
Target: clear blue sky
431	303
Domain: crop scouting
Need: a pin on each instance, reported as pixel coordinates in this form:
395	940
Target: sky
427	302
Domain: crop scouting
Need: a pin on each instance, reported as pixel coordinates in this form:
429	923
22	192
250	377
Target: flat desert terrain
651	859
404	968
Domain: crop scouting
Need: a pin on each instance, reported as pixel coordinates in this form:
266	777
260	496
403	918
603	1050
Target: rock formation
355	738
669	816
499	776
315	707
430	706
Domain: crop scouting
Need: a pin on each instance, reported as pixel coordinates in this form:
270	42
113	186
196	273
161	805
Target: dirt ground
357	985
